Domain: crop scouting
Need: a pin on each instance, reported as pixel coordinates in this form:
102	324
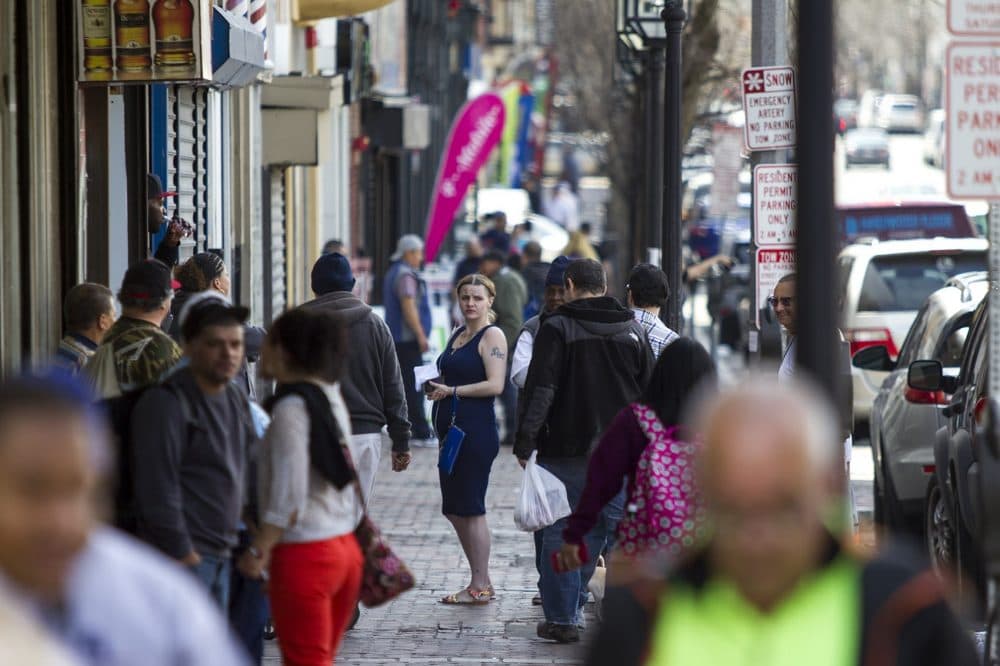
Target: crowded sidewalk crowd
179	482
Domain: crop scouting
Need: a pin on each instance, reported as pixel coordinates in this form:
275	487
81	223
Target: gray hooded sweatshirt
373	384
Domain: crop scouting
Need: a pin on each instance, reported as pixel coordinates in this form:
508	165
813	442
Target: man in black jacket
590	360
373	384
773	579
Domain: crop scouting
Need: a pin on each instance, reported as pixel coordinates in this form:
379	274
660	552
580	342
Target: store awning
314	10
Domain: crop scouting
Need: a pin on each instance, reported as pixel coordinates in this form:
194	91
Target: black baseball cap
149	279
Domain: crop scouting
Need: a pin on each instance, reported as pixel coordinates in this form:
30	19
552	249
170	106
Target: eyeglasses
786	301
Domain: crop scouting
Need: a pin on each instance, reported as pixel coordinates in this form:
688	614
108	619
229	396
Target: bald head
770	471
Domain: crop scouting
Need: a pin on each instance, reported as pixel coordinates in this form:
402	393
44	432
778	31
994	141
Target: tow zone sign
772	264
769	107
973	120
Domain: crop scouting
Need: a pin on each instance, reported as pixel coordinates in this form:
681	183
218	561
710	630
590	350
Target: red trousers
314	589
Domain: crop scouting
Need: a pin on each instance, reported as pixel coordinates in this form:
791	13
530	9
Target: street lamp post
641	29
673	16
654	142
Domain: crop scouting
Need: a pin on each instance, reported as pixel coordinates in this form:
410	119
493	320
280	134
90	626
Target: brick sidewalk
415	628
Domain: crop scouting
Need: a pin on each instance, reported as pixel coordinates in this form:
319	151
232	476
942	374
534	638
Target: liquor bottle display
132	35
173	22
96	19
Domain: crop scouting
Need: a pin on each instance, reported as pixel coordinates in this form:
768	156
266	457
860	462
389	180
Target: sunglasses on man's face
786	301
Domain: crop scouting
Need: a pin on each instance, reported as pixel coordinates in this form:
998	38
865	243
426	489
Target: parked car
952	512
904	420
866	146
934	138
883	285
845	115
901	113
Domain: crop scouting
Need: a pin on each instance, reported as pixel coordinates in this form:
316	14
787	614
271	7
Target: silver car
904	420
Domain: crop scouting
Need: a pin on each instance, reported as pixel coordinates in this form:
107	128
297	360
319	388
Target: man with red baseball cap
136	352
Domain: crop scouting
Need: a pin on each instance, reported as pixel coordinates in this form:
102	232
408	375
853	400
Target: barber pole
258	18
237	7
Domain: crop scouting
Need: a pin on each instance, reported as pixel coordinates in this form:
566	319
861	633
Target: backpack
662	514
101	373
118	411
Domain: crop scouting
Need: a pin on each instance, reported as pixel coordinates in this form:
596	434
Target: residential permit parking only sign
775	201
769	107
973	120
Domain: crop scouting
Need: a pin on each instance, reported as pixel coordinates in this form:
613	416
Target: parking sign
772	264
769	107
973	120
775	200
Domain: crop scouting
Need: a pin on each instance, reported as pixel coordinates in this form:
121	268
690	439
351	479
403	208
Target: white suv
883	284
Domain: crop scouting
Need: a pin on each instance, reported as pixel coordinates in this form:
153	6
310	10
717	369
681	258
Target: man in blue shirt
88	314
408	314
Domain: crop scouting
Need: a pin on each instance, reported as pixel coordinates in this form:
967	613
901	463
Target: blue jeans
564	594
214	573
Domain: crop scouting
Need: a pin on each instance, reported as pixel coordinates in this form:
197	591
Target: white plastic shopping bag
543	498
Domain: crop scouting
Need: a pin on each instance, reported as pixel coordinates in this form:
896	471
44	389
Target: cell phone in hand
428	389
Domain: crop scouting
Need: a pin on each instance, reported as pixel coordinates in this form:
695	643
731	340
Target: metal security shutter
275	284
187	160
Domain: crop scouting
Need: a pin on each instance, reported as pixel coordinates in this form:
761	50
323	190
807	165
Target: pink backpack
662	514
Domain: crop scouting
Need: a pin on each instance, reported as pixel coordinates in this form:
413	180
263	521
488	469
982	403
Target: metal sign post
769	43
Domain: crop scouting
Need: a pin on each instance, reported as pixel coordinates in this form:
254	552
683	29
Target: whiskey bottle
173	21
132	34
96	21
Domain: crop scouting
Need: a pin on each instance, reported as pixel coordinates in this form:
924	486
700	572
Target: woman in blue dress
473	370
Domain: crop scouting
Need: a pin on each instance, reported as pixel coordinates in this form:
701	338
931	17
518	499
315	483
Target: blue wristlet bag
452	443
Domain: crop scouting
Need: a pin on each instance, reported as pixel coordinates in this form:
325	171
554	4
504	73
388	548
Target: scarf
326	440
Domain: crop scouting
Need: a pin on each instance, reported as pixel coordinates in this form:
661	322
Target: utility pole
818	237
674	17
769	47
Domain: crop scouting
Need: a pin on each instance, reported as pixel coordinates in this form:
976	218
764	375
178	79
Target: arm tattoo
496	353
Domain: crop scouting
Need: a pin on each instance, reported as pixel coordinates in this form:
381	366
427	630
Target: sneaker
560	633
424	443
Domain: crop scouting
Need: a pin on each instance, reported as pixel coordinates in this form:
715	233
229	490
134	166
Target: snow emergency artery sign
772	264
769	106
974	17
973	120
774	203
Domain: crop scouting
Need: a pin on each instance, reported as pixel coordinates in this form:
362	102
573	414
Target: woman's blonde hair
479	280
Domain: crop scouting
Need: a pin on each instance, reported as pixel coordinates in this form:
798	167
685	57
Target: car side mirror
874	358
926	376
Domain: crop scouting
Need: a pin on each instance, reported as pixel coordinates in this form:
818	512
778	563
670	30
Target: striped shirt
659	335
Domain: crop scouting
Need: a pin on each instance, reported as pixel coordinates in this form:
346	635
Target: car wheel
939	533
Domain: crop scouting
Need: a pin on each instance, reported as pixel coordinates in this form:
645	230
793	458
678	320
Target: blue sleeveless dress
463	492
